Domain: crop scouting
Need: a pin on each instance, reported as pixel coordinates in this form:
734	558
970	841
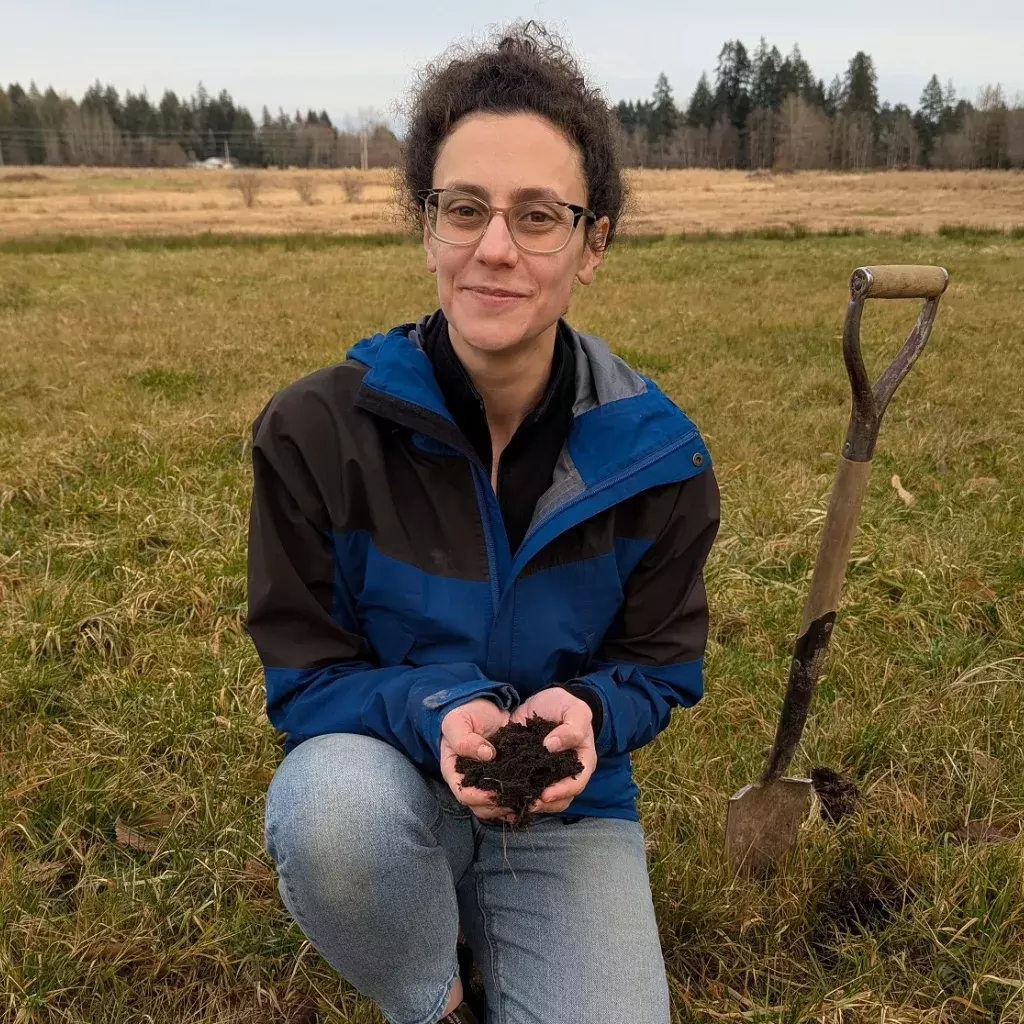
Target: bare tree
248	184
761	137
724	144
953	151
899	141
305	188
1015	134
803	132
695	146
352	186
852	141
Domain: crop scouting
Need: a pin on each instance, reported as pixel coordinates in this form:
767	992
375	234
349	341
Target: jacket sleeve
321	675
652	657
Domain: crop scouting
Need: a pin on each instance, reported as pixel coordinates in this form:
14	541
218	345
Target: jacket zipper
489	543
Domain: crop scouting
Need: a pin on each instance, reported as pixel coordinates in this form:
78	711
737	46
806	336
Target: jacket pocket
390	638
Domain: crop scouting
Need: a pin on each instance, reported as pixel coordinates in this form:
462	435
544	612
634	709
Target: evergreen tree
6	111
767	80
795	75
664	118
169	113
952	112
928	119
833	97
26	123
932	101
732	83
51	109
700	112
860	87
138	115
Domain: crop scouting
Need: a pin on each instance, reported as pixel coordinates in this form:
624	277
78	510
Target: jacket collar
463	400
626	435
399	367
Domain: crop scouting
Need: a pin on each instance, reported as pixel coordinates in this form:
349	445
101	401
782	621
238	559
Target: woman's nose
496	241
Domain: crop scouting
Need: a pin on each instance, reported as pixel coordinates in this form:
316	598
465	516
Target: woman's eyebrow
526	192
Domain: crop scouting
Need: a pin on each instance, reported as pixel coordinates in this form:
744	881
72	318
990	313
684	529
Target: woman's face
501	153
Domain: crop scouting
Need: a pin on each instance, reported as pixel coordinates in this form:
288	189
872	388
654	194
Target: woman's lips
491	300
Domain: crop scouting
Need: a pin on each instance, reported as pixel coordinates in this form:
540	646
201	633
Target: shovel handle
849	486
900	282
870	401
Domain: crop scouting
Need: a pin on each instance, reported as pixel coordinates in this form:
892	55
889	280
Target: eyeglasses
539	226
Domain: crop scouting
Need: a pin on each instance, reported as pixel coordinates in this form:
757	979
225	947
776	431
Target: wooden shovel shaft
851	481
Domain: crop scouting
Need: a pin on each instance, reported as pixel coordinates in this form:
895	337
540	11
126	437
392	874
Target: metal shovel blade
761	824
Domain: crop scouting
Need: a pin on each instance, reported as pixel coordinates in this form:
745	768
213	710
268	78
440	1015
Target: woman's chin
491	333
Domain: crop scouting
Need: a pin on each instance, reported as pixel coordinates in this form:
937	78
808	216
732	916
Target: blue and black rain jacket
382	591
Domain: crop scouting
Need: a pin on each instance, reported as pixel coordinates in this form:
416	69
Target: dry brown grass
135	751
159	201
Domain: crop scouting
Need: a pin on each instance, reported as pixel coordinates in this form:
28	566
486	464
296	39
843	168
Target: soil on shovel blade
522	767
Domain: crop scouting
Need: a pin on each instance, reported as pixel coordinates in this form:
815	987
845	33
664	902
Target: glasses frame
425	194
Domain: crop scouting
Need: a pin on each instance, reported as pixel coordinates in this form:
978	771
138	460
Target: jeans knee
336	802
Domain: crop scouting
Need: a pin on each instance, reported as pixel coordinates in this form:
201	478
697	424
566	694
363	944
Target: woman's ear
431	258
592	255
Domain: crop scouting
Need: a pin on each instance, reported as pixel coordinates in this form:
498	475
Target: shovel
763	816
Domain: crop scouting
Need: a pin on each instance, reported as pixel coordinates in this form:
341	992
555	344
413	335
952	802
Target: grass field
134	748
134	201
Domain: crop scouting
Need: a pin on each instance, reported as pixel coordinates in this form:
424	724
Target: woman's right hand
464	730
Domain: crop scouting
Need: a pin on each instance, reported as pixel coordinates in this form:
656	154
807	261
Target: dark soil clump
522	768
839	797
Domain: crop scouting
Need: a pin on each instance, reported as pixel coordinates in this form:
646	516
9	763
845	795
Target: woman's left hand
574	732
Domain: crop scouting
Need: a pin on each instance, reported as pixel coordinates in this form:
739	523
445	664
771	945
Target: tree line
105	129
766	110
760	110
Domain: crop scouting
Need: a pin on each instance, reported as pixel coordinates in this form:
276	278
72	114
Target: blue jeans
379	864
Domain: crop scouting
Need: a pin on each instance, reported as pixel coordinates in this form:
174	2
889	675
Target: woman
475	517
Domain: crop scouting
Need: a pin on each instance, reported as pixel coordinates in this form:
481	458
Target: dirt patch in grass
20	177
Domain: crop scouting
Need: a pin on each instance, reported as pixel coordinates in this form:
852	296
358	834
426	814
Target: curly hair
526	70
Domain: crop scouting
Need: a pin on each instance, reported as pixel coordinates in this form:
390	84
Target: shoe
473	993
462	1014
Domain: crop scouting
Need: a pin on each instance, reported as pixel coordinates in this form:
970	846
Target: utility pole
364	162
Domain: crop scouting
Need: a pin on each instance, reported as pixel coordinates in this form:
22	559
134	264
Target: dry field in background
134	747
56	201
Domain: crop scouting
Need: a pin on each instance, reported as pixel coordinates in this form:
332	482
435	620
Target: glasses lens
541	226
461	218
457	217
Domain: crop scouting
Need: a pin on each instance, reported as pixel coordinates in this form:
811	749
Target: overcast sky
347	56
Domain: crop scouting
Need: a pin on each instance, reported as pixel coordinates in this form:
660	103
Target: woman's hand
464	730
575	731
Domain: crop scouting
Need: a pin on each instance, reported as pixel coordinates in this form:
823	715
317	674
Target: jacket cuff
590	696
437	705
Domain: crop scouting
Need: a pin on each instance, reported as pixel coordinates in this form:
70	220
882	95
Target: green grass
36	244
131	698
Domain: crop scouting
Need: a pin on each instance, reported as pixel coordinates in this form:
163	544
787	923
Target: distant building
215	163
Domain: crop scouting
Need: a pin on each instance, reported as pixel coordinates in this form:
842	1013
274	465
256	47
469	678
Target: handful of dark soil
522	768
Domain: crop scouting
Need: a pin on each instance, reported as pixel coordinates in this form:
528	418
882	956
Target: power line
218	133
